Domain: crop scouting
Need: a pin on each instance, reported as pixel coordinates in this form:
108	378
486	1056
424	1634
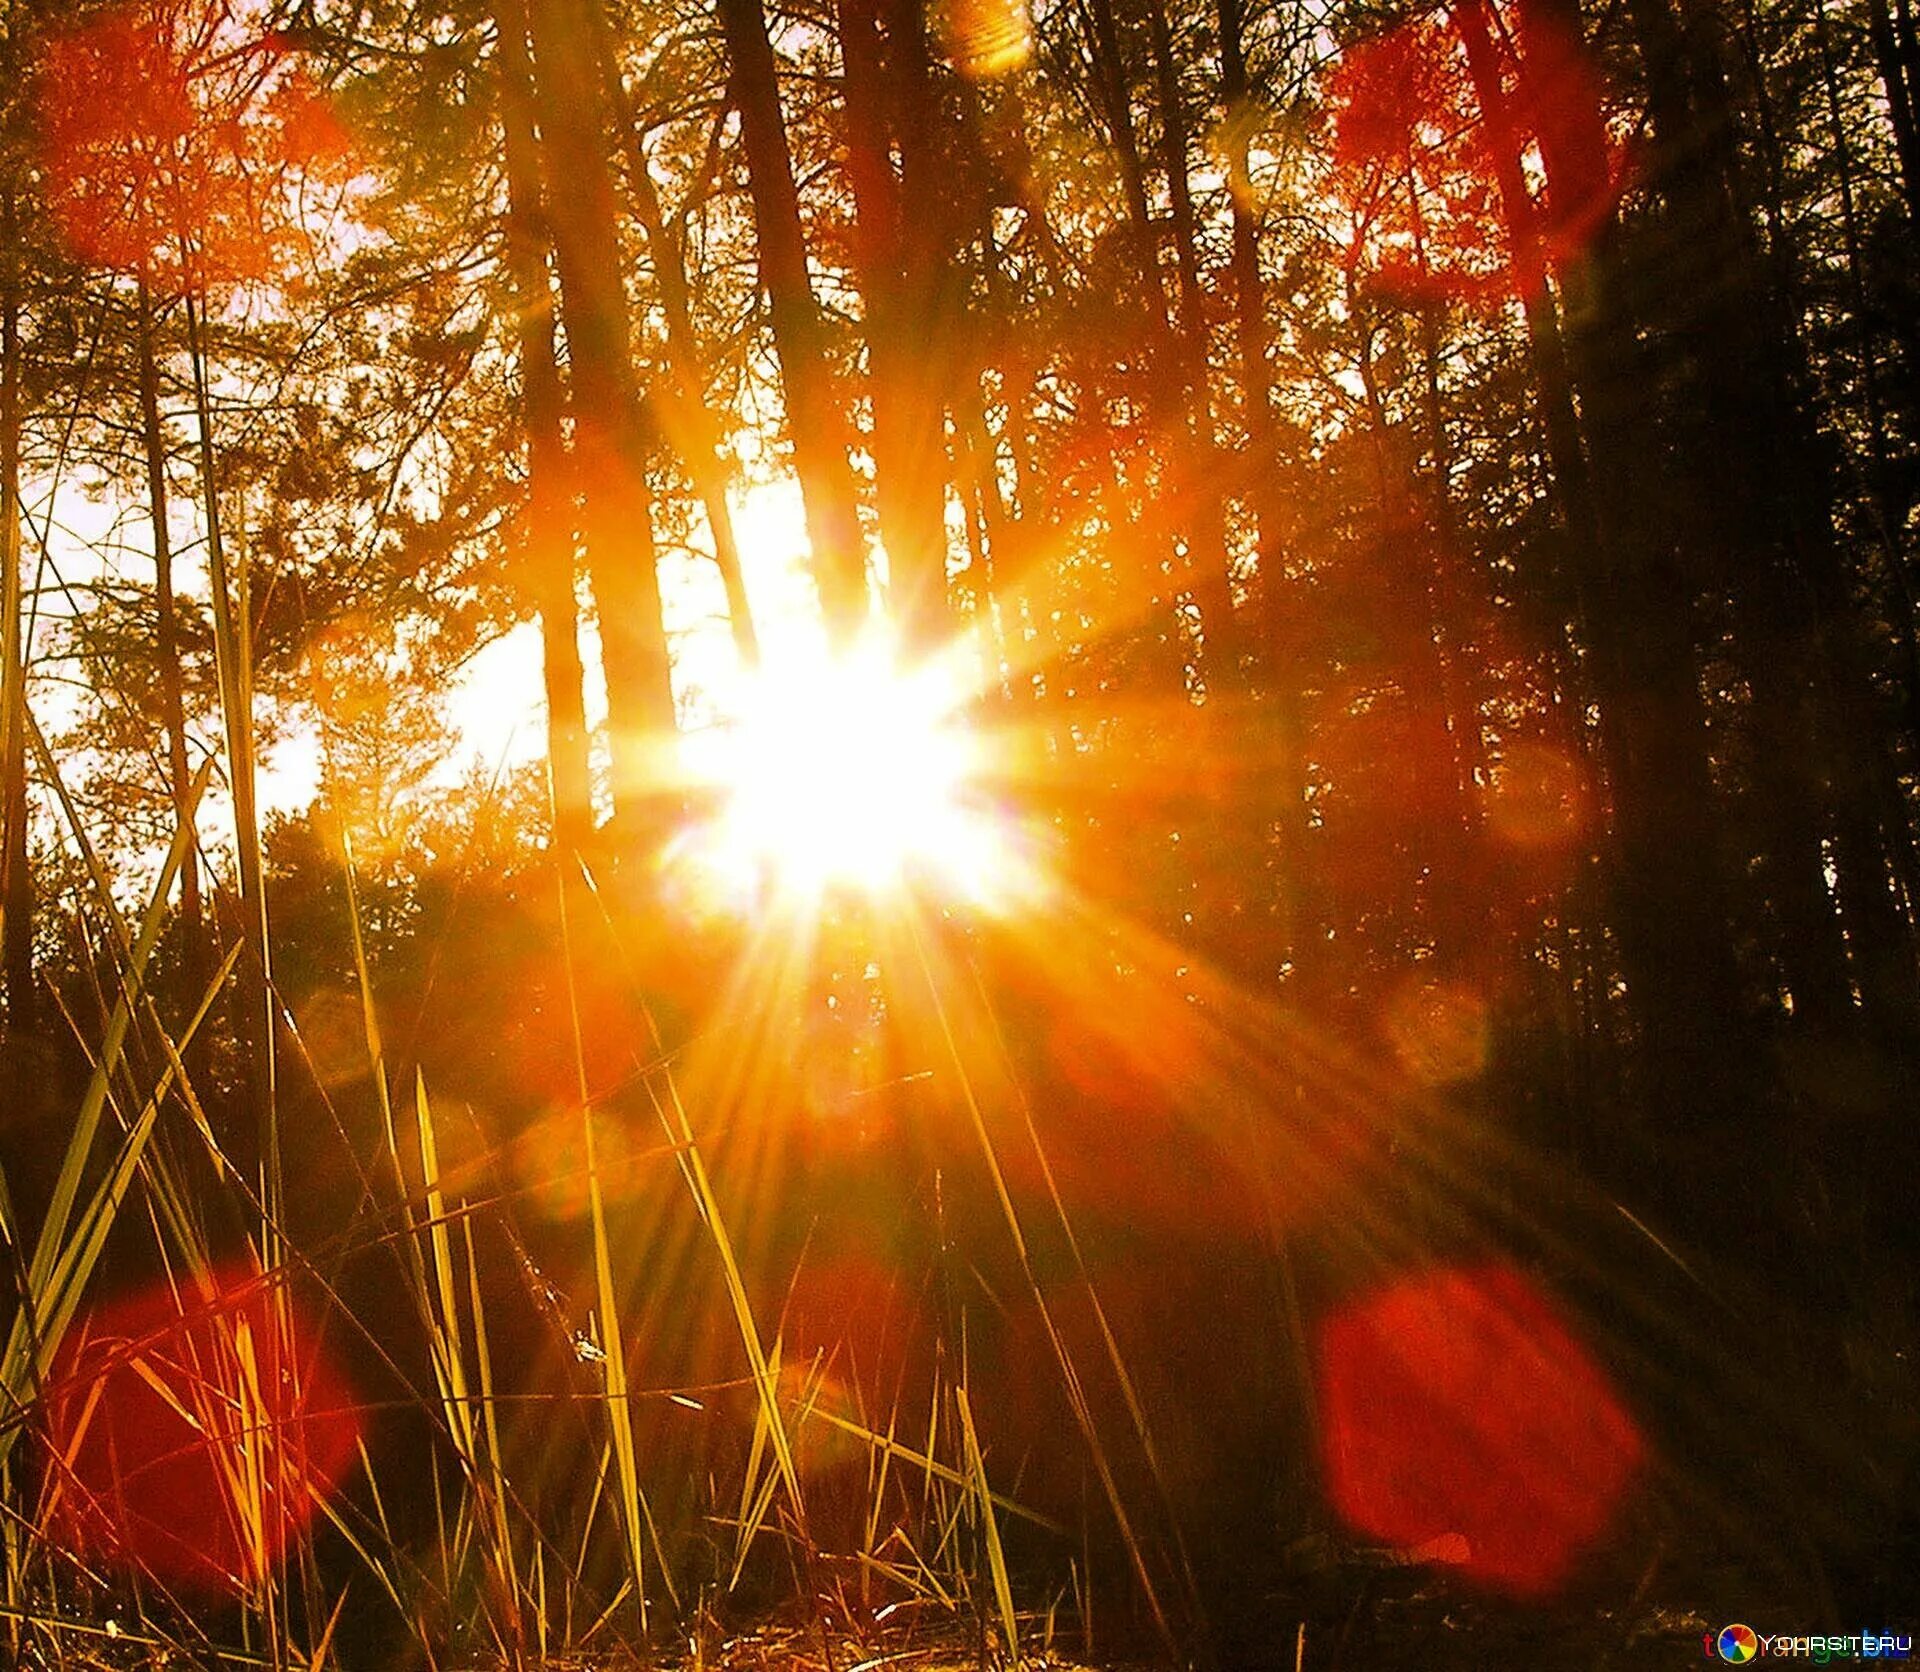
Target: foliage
1384	543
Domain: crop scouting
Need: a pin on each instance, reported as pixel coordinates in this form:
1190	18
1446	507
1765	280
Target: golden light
850	771
987	38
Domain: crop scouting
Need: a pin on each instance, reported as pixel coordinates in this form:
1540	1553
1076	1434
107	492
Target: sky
495	706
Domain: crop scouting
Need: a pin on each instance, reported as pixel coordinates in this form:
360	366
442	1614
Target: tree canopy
712	715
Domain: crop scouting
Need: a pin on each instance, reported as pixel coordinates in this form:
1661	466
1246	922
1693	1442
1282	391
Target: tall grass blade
613	1360
989	1528
28	1345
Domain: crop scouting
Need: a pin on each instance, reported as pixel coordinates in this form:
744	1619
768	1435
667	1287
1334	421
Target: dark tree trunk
233	639
1204	511
1278	686
691	425
173	713
1897	77
1668	904
1821	764
16	885
1171	389
816	423
1559	424
548	554
613	431
900	245
1758	510
1115	98
1407	557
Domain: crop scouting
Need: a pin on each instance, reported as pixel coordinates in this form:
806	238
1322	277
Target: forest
959	833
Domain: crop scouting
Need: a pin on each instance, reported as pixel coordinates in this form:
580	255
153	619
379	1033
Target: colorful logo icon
1738	1644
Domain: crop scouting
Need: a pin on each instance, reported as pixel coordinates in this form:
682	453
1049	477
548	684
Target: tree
614	439
815	419
549	522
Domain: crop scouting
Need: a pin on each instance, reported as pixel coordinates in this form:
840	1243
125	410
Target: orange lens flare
192	1437
1456	1406
176	140
987	39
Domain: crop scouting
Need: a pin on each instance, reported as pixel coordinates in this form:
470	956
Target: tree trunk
1766	501
173	714
1204	517
691	425
1903	100
1559	424
900	247
233	647
1116	101
1279	688
1168	388
613	432
16	885
816	424
1447	607
1407	558
1668	903
548	554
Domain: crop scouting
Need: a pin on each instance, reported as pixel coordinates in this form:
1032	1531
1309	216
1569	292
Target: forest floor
1429	1629
1424	1625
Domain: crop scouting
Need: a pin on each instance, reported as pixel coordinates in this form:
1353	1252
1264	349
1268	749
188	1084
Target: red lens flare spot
191	1436
1468	165
173	142
1458	1406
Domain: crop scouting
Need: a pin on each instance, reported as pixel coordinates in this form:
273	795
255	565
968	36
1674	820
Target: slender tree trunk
1870	827
233	647
1279	687
173	713
1753	469
1873	415
613	432
1116	101
1448	607
1168	389
1016	522
1903	100
1579	557
549	555
933	291
1406	557
900	245
1559	424
691	425
985	514
1200	494
816	424
16	885
892	334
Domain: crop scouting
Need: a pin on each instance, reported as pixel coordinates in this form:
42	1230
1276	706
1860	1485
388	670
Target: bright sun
848	771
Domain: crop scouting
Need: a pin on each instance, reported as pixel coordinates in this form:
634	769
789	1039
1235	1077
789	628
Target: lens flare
192	1434
1457	1405
987	39
849	772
